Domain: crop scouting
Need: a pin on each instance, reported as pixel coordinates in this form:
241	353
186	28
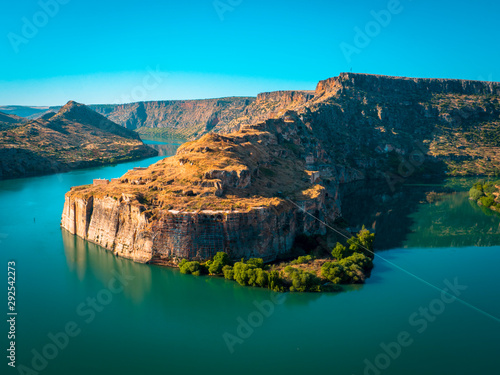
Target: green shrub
349	270
241	273
487	201
333	272
228	272
340	251
262	278
193	268
475	193
302	259
361	260
362	243
303	281
275	282
256	262
216	265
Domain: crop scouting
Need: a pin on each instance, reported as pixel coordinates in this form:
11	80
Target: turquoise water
163	322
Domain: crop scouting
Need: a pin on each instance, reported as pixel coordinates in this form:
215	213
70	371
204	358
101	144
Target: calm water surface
163	322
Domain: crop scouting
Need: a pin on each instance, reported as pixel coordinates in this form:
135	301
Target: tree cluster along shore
486	194
346	264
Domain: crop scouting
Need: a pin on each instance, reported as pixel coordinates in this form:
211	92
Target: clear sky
111	51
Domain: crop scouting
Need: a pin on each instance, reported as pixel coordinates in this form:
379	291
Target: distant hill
28	112
181	119
8	121
75	137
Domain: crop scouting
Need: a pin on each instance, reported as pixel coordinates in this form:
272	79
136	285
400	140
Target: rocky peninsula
251	192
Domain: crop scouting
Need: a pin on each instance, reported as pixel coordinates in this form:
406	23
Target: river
153	320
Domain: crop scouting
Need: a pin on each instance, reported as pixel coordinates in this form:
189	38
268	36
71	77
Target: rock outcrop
217	194
251	192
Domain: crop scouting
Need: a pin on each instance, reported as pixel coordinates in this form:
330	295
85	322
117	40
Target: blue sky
119	51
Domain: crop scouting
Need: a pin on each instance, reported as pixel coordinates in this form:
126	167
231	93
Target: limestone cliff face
126	228
401	85
115	225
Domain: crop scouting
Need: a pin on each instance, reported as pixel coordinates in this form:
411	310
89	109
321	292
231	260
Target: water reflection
421	215
165	147
90	263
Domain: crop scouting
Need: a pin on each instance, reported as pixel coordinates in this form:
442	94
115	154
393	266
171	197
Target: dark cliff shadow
388	211
420	214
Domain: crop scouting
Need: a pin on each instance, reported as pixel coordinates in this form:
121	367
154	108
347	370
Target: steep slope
8	121
244	193
181	119
268	105
75	137
363	118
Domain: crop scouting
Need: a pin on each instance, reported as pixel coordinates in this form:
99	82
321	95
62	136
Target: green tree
228	272
275	282
256	262
475	193
487	201
333	272
262	279
193	268
220	260
362	243
240	273
302	259
340	251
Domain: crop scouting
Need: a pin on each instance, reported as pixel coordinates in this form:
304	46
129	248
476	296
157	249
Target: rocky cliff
176	119
217	194
75	137
240	192
268	105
